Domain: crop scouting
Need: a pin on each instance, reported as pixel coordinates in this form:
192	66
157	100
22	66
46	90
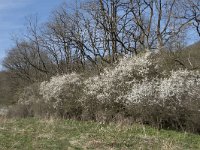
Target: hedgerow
135	88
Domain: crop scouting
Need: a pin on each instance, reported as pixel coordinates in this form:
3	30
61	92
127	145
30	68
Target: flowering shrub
105	92
179	83
151	96
173	99
135	87
52	90
63	93
119	78
142	92
59	96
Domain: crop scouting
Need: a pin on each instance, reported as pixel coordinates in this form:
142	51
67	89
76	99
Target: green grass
36	134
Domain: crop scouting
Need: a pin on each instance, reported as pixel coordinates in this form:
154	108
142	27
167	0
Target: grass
37	134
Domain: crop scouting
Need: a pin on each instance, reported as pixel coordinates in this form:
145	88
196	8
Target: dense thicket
137	89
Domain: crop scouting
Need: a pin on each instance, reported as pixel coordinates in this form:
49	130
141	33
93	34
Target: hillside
190	56
195	46
52	134
6	89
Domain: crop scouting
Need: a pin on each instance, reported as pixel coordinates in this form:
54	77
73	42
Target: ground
54	134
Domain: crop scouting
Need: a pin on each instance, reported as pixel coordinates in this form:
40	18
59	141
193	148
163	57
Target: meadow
59	134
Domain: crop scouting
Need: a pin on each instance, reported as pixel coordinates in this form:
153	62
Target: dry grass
54	134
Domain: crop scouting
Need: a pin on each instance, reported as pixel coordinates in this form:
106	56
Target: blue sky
13	15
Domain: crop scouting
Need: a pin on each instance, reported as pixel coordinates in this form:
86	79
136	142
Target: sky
13	14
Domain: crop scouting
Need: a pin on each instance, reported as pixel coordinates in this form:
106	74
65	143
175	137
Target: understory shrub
168	102
135	88
62	93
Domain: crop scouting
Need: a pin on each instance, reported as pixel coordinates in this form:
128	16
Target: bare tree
192	11
97	32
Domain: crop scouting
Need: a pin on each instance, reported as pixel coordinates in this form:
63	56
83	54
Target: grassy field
36	134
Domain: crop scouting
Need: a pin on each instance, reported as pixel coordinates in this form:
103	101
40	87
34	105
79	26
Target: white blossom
52	90
129	83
